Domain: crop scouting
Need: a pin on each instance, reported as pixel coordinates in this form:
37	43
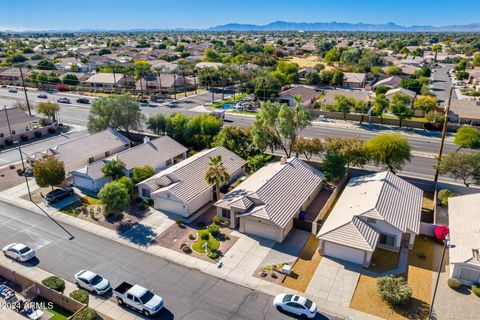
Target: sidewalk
238	264
104	306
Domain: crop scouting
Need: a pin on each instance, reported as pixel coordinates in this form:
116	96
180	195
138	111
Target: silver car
19	252
92	282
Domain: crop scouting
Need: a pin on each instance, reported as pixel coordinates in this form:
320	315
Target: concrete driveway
289	249
334	281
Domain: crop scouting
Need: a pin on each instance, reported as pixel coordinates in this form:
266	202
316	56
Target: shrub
217	220
476	290
149	202
54	283
274	275
86	314
38	134
178	222
52	130
394	290
214	230
454	283
20	172
213	255
24	137
191	237
443	196
80	295
204	235
186	249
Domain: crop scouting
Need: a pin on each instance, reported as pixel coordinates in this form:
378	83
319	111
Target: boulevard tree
48	109
467	137
49	172
388	149
461	166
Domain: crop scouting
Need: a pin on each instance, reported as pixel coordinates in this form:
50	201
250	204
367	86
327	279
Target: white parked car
92	282
295	304
19	252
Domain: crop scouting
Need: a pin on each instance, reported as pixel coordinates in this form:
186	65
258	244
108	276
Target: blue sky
128	14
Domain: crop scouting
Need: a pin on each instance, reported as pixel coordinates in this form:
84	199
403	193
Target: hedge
80	295
86	314
54	283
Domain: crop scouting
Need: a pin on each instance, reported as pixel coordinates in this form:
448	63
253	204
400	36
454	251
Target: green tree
476	60
411	84
48	109
278	125
426	104
361	107
201	129
309	147
49	171
70	79
461	166
115	198
211	56
326	76
337	78
423	72
467	137
380	104
157	123
237	140
343	104
352	149
127	183
140	174
332	56
257	161
313	78
400	106
117	112
113	169
46	65
176	126
141	69
333	166
103	51
216	173
388	149
394	70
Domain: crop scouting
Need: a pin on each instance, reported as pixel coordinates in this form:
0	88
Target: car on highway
19	252
42	96
296	304
138	298
92	282
58	194
63	100
12	90
83	100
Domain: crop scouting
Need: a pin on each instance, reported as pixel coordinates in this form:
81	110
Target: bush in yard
149	202
454	283
214	230
476	289
178	222
203	234
115	198
217	220
443	196
86	314
80	295
186	249
191	237
213	255
394	290
54	283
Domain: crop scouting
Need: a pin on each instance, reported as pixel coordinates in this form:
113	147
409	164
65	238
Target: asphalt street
188	294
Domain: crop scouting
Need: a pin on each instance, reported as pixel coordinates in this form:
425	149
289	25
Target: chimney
283	160
146	139
476	254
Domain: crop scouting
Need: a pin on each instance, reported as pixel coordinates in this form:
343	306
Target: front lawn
58	312
213	244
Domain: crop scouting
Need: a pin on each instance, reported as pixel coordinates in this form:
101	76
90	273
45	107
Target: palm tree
216	173
159	70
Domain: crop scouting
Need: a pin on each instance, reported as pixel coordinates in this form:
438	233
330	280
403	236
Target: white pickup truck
138	298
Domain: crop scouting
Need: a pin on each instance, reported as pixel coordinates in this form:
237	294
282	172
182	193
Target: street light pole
445	246
444	133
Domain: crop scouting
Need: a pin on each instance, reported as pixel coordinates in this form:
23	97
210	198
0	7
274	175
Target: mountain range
343	26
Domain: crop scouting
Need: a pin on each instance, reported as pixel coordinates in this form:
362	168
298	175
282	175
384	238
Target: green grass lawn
71	209
58	312
213	244
92	200
389	116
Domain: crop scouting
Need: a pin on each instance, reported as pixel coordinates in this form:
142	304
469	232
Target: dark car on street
42	96
58	194
83	100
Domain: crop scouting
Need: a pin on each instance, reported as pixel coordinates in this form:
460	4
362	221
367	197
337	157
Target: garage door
469	275
82	183
169	206
259	229
343	253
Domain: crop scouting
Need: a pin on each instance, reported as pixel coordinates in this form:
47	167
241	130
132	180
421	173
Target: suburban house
390	82
354	80
106	80
308	96
181	189
389	94
464	111
464	222
166	81
159	154
379	210
266	203
329	95
77	153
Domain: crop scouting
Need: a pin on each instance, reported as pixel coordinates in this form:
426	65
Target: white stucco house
159	154
266	203
181	189
464	226
379	210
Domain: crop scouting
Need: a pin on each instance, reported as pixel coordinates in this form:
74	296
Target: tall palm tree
159	70
216	173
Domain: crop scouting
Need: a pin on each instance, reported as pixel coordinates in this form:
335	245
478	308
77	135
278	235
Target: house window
146	193
387	240
226	213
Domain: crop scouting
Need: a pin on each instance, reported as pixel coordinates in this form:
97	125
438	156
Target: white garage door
469	275
82	183
343	253
260	229
169	206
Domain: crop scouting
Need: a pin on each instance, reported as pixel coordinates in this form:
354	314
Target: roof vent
146	139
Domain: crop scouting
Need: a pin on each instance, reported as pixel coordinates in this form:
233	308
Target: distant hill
341	26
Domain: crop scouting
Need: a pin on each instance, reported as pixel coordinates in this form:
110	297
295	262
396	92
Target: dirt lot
9	177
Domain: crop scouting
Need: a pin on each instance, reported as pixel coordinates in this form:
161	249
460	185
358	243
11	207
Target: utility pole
444	133
445	246
25	90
